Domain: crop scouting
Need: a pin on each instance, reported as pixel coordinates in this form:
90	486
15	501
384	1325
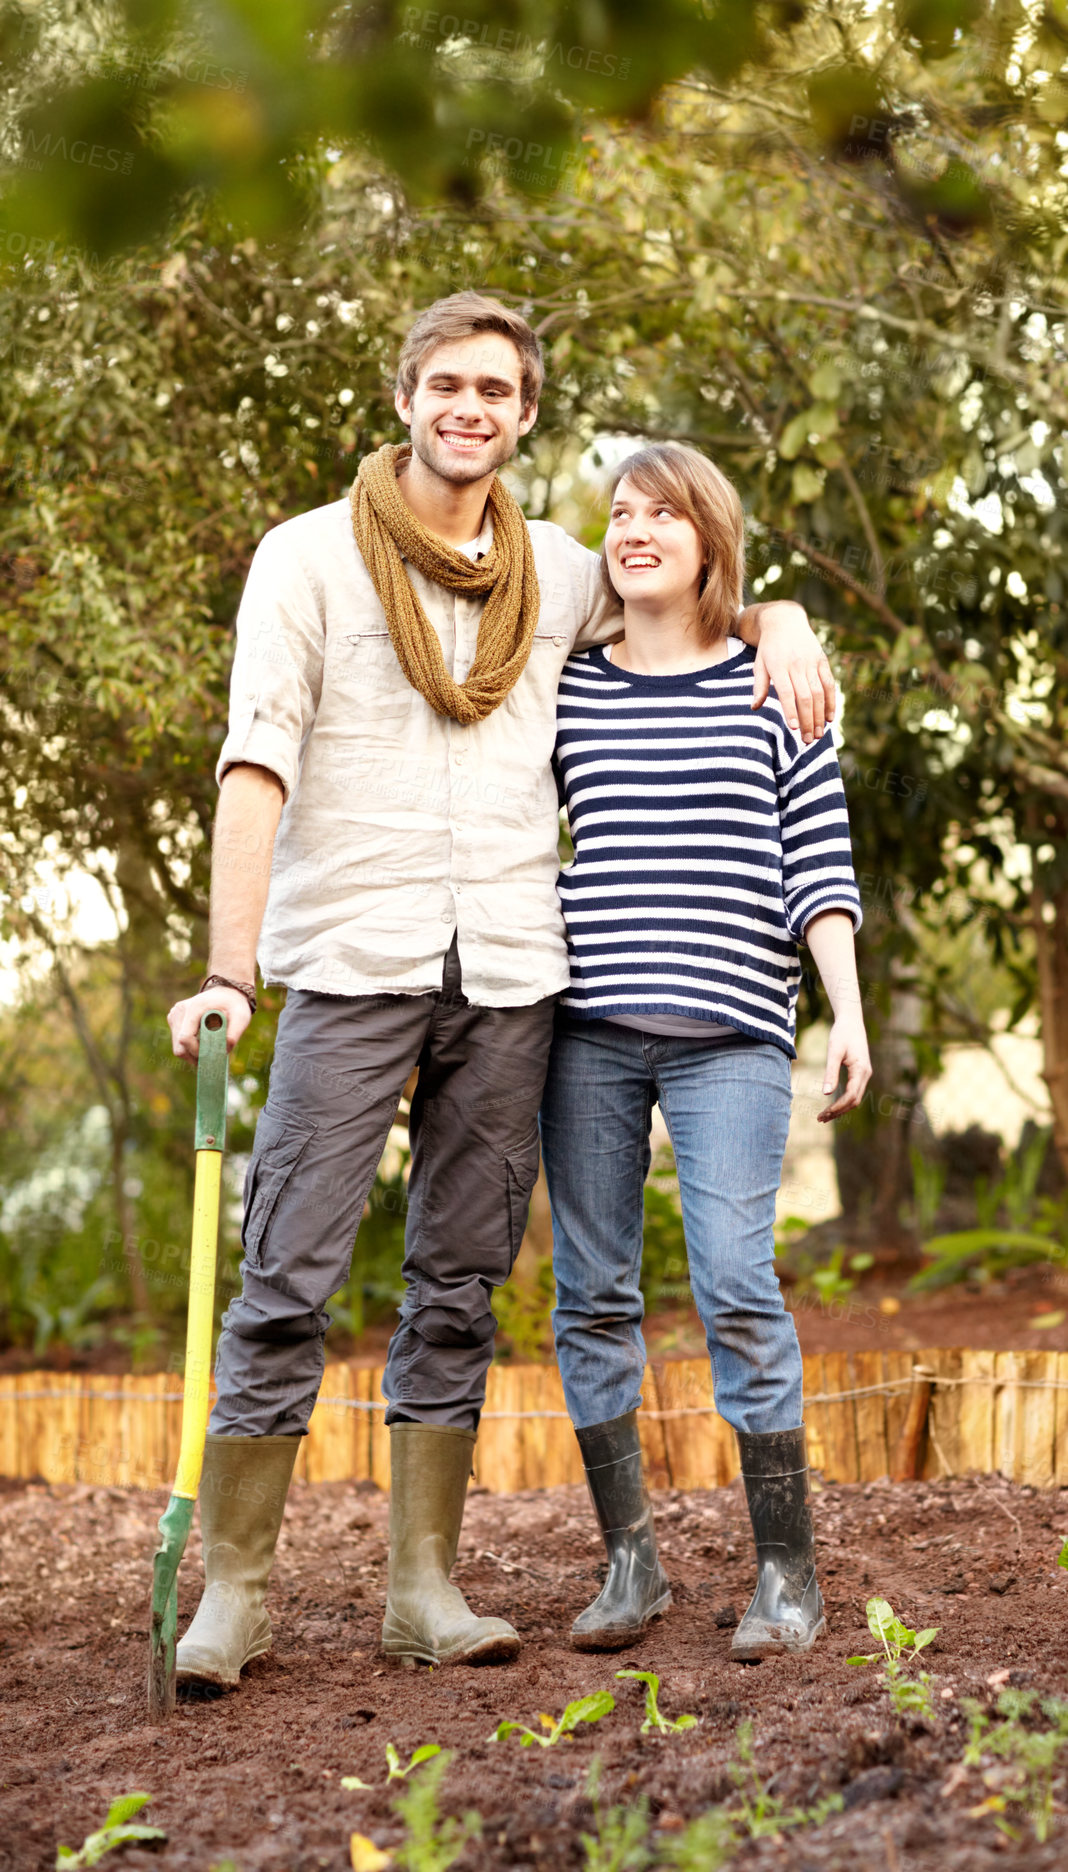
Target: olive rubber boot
786	1611
243	1490
636	1589
427	1618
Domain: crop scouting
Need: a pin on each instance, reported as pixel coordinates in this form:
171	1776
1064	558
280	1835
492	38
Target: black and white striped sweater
707	835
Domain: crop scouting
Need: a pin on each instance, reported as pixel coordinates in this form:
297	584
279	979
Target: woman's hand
848	1047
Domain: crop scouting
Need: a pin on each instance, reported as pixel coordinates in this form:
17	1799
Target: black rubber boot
786	1611
636	1589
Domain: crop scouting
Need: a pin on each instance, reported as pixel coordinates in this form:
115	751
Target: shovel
177	1517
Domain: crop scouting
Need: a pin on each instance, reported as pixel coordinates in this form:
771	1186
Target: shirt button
459	753
446	916
559	642
457	890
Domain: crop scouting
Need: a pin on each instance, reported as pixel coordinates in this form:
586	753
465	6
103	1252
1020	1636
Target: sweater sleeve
817	859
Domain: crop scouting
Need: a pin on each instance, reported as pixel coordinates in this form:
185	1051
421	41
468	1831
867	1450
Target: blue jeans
727	1109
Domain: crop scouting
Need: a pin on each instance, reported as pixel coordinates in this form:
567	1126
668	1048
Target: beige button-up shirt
399	825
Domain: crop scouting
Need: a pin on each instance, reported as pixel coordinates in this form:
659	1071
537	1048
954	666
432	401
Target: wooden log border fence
869	1414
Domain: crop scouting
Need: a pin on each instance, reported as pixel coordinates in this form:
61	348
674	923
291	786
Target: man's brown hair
460	316
690	484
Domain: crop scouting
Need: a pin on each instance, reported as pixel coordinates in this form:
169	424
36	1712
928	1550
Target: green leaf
587	1709
1062	1557
351	1782
881	1617
425	1752
504	1729
794	437
825	382
924	1638
863	1660
806	483
125	1807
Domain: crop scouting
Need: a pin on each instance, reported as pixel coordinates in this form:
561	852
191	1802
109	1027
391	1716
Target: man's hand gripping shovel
177	1518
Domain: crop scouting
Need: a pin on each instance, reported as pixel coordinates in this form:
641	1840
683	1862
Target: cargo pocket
282	1137
521	1167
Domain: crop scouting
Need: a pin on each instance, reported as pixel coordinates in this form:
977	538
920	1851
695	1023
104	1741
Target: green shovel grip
211	1082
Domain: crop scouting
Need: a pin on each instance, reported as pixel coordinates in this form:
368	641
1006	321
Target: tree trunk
124	1215
1049	919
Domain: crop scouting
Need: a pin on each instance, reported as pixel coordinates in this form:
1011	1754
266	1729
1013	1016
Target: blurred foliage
119	113
1017	1223
824	243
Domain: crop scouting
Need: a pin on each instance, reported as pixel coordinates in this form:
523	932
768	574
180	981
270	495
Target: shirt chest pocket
365	669
534	695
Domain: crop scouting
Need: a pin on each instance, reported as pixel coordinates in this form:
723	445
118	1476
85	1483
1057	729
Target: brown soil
995	1318
252	1778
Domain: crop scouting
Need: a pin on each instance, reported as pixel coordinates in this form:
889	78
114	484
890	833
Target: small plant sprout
706	1845
761	1813
910	1696
431	1844
1029	1757
620	1843
1062	1557
654	1721
116	1831
587	1709
352	1782
425	1753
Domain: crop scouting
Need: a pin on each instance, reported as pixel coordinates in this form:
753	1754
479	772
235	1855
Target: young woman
709	842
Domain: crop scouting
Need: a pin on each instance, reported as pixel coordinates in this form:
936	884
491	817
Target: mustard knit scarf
386	528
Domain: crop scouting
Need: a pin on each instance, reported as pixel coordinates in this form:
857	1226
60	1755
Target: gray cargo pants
340	1066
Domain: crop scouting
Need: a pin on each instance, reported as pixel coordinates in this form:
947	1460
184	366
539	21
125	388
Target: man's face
466	413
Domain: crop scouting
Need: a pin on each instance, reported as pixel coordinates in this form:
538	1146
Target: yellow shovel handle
212	1073
196	1396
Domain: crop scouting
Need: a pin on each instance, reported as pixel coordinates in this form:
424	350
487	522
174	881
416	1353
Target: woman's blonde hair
686	480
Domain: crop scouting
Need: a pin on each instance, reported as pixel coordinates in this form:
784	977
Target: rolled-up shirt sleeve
278	664
599	614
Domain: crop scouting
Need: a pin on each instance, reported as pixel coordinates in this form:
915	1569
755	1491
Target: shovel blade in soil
175	1523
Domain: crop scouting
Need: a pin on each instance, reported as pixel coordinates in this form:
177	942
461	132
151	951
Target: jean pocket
521	1169
282	1137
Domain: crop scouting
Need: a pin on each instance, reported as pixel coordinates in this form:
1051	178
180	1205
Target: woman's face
654	552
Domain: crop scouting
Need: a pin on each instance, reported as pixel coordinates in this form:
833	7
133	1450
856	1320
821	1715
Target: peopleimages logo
79	150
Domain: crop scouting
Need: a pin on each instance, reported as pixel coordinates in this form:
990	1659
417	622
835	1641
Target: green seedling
761	1813
1062	1557
116	1831
662	1725
431	1844
706	1845
352	1782
424	1753
620	1843
910	1696
587	1709
1029	1755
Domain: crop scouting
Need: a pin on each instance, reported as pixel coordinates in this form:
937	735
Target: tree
871	342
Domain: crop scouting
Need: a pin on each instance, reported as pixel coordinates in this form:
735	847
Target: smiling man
386	846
